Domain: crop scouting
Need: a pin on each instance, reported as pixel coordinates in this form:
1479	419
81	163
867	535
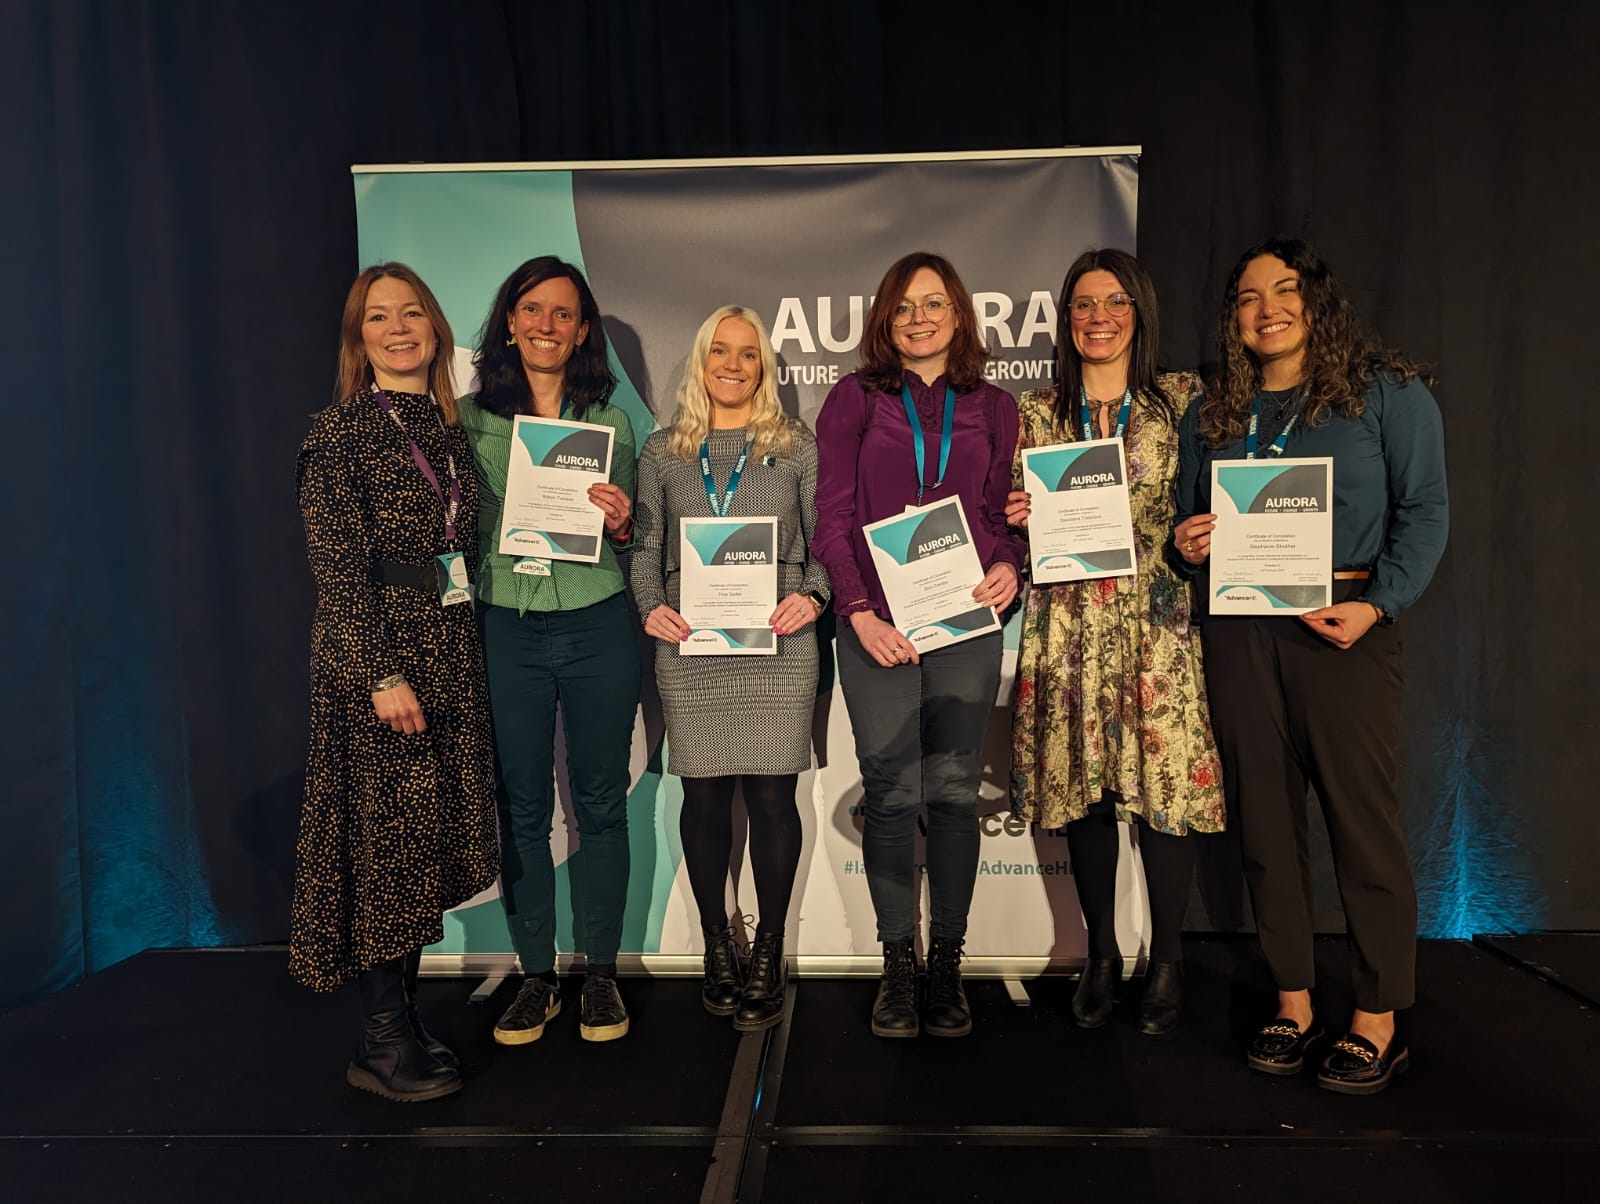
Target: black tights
1168	868
706	826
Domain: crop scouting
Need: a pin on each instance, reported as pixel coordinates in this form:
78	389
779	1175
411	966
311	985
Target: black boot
1163	998
440	1051
388	1061
720	991
761	1004
945	1014
1091	1002
894	1012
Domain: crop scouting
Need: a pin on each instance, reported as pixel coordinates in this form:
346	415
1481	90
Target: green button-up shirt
570	586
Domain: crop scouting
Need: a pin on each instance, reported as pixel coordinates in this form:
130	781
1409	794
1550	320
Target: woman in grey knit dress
731	452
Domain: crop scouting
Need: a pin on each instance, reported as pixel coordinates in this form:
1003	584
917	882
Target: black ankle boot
720	991
389	1061
894	1012
440	1051
1091	1002
761	1005
1163	998
945	1013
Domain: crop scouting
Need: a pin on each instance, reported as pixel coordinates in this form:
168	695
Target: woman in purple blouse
918	404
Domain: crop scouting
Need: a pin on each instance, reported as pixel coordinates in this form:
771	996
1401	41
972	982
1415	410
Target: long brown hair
1142	371
880	359
355	370
1340	359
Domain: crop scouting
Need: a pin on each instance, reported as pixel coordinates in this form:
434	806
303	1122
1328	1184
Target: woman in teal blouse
556	631
1316	699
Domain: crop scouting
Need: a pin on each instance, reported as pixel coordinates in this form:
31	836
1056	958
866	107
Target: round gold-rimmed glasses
935	309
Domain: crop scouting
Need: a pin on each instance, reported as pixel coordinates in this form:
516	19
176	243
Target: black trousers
1291	710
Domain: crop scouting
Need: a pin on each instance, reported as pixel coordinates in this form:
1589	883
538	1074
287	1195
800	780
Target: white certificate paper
928	569
728	585
1272	550
1081	525
547	511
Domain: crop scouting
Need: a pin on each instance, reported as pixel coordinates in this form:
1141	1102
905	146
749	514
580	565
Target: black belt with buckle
419	577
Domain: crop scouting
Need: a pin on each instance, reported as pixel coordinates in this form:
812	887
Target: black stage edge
1570	960
203	1075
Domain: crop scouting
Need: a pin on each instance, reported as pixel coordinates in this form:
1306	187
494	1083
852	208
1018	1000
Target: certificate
728	585
1272	550
548	513
1081	524
928	569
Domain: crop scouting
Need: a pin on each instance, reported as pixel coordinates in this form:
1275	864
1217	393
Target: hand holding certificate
728	585
1080	524
548	513
1272	550
929	568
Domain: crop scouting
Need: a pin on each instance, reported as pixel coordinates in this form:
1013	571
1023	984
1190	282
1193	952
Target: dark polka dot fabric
396	828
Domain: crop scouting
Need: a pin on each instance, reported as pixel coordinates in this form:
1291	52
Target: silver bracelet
389	683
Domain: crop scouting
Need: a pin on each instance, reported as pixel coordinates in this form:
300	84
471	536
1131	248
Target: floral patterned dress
1110	697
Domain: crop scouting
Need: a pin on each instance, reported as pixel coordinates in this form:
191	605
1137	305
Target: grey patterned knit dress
731	714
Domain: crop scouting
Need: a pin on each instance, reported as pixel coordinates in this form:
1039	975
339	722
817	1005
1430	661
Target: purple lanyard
425	468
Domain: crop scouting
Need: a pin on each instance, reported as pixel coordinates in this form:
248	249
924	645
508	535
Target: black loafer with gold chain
1355	1067
1280	1047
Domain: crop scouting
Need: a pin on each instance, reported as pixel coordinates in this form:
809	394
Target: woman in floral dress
1111	723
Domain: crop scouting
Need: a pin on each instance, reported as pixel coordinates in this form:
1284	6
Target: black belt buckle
420	577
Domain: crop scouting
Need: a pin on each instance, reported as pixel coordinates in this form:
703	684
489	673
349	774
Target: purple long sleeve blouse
867	470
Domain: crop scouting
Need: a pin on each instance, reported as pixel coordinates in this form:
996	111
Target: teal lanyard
919	440
1122	415
1278	444
720	509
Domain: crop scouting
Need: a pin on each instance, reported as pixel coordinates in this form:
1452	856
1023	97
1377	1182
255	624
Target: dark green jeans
587	661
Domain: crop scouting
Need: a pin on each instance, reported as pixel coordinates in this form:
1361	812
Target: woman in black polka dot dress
399	822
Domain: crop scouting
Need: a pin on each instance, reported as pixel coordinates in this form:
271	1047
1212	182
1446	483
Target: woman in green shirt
556	631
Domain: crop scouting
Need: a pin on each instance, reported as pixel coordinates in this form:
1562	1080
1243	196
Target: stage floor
210	1075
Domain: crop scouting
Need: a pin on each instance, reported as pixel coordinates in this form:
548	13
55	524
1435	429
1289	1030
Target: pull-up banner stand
803	242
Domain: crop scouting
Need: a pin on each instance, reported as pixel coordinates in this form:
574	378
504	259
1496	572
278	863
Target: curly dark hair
503	382
1340	358
1142	378
880	360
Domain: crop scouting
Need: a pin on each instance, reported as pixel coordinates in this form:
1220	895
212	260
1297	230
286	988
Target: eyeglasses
1117	305
935	309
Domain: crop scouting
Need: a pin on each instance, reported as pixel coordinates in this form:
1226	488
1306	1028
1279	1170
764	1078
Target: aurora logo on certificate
1081	526
728	585
1272	551
928	569
548	513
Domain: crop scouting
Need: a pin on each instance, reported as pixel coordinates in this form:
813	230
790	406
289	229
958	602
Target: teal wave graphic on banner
958	624
745	637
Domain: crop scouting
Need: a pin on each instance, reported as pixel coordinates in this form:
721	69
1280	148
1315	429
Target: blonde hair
355	370
770	428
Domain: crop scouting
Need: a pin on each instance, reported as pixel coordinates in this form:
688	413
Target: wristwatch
817	600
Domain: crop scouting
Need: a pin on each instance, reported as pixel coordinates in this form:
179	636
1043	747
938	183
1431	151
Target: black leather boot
1091	1002
945	1013
389	1061
761	1005
440	1051
1163	998
720	991
894	1012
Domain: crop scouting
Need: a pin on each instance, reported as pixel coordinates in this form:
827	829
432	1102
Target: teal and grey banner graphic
918	536
1269	489
804	244
561	447
734	543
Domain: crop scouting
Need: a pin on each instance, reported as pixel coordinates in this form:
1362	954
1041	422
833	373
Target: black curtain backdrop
179	232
